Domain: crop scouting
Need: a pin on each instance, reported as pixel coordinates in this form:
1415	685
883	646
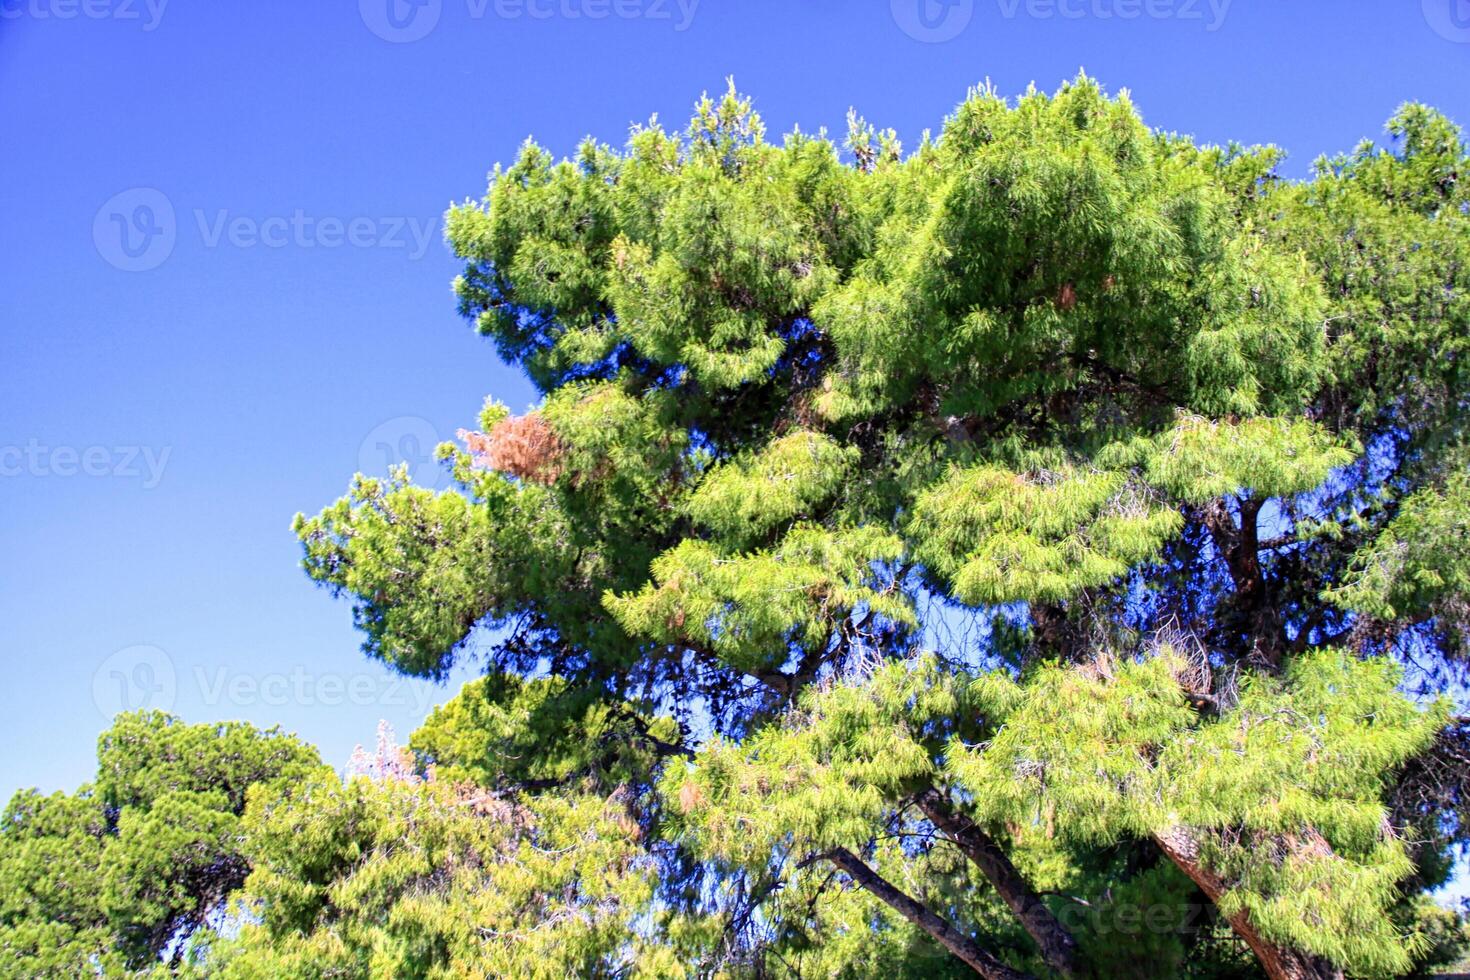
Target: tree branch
1058	948
952	939
1182	846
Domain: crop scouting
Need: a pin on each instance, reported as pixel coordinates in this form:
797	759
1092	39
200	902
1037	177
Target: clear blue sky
160	426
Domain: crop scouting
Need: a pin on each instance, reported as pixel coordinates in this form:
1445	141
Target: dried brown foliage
1067	297
522	446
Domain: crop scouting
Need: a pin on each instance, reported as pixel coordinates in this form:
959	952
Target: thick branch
1240	548
1058	948
659	746
1182	847
943	932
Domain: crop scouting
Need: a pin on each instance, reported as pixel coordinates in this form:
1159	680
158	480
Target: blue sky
224	287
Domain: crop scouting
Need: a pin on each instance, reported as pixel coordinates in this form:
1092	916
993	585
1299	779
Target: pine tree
1058	512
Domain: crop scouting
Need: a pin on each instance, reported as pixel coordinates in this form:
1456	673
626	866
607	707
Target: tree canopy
1036	554
122	875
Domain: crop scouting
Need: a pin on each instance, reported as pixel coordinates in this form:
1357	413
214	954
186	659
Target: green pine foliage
406	878
1199	460
1001	537
822	778
501	730
1419	562
789	478
749	609
123	873
1292	779
432	564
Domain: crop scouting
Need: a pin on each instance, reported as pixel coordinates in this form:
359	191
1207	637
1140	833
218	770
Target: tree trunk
943	932
1182	847
1058	948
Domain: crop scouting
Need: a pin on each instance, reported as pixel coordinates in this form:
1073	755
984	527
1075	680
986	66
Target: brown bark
1058	948
1251	607
916	912
1182	847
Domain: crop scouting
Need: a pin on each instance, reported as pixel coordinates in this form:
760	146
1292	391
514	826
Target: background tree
402	876
121	875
